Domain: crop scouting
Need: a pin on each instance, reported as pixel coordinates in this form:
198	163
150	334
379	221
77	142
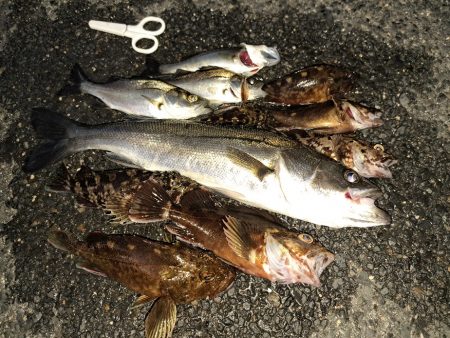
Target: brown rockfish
166	273
330	117
312	84
250	239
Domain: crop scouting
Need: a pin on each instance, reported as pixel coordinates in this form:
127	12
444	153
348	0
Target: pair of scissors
135	32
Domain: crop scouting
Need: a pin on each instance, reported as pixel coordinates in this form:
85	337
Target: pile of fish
207	130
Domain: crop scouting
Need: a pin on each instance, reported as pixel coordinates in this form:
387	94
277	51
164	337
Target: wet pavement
389	281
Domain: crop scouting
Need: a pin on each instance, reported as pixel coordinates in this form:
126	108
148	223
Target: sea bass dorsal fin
140	301
239	236
197	199
161	318
248	162
150	203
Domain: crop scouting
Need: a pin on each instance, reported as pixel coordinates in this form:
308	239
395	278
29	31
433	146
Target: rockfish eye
306	238
351	176
251	81
378	147
192	98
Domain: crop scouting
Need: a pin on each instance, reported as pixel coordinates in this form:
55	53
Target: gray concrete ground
390	281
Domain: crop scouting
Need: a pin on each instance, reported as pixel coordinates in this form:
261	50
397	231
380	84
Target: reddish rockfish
168	273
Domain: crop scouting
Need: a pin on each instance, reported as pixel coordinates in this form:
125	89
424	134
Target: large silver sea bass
246	60
141	97
255	167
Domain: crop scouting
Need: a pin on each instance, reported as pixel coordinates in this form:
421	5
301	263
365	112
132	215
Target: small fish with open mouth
246	60
309	85
252	240
166	273
220	86
141	97
330	117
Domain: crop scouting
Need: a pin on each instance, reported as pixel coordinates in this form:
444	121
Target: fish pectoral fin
197	199
118	206
161	318
141	301
150	203
239	236
248	162
183	234
158	104
121	160
88	267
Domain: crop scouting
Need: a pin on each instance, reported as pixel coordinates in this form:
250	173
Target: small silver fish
149	98
220	86
246	61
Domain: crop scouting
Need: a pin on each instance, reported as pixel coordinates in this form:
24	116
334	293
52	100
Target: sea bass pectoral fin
158	104
161	318
248	162
239	236
150	203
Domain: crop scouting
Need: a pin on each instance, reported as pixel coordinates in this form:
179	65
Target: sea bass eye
306	238
351	176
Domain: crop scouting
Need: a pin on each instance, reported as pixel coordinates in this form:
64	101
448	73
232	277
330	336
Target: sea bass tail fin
150	203
77	77
168	68
57	130
62	241
161	318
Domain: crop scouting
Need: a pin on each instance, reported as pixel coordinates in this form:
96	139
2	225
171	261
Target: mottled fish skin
141	97
330	117
169	274
246	60
309	85
219	86
201	221
153	268
366	159
259	168
252	240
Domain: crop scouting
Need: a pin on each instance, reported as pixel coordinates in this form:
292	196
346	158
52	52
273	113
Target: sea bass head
361	117
295	258
324	192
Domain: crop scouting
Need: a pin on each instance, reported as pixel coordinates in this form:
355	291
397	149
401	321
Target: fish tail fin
167	69
58	131
150	203
62	241
77	78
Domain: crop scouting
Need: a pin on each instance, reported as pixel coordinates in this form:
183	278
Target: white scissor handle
135	39
147	19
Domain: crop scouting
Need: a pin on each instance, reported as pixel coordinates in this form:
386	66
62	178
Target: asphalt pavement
388	281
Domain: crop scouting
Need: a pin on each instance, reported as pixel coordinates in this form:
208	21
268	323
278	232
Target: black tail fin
77	77
62	240
57	130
